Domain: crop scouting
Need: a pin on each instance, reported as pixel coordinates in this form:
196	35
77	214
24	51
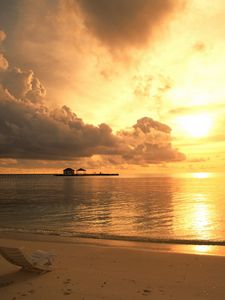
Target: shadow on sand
15	277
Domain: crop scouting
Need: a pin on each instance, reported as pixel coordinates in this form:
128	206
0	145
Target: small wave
117	237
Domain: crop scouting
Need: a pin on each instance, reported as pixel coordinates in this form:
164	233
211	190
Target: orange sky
162	61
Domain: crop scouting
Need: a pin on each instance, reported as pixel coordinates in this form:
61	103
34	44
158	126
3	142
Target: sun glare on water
197	126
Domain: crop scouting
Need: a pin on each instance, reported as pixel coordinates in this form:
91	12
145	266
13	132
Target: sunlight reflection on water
189	207
201	175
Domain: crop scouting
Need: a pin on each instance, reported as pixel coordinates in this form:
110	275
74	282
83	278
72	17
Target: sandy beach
89	270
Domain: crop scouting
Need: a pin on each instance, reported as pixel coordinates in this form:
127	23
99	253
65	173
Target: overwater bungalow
81	171
68	172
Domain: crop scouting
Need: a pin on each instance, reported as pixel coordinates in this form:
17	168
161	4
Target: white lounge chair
39	261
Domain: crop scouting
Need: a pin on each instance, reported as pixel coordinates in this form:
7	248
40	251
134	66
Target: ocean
179	208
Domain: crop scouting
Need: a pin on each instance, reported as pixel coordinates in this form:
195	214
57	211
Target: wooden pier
89	174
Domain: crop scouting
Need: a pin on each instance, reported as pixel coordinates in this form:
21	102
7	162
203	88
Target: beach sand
87	270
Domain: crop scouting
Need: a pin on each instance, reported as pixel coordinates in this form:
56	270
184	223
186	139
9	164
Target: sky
133	86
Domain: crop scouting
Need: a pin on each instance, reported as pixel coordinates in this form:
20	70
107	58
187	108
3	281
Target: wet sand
86	269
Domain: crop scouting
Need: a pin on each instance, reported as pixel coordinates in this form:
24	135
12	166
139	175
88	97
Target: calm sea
186	208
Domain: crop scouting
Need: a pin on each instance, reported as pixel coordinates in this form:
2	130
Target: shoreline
87	269
150	245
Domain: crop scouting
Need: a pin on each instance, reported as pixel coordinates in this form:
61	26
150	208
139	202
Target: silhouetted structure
81	171
68	172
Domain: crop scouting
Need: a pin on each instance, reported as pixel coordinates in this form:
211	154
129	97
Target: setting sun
198	125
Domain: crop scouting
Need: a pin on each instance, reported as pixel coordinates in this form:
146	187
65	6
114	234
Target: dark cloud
149	142
23	84
146	125
32	131
121	23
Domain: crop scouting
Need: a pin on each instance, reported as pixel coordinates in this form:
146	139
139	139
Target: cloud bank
29	129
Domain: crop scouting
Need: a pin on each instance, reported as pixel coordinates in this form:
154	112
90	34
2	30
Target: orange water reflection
200	215
203	248
195	249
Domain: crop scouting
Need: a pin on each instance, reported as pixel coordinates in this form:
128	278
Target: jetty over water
83	172
90	174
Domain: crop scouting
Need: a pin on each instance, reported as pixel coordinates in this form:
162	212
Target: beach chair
39	261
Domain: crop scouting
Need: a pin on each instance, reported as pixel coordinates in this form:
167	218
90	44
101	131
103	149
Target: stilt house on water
68	172
81	171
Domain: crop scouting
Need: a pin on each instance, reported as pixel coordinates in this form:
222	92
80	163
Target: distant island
83	172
